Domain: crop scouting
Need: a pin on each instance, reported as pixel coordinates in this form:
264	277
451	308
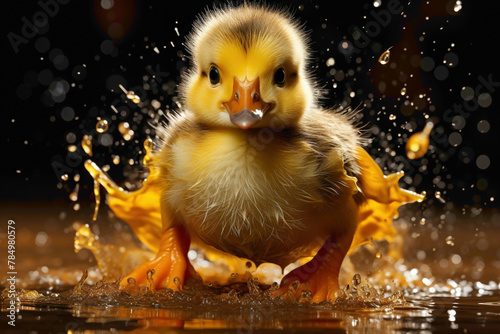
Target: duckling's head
248	69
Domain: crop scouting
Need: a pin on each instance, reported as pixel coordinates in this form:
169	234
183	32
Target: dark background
73	62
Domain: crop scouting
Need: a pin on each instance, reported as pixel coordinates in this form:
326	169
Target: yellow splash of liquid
140	209
418	143
148	147
385	57
383	198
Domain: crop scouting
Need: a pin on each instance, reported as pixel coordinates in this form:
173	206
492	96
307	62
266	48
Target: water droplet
450	240
385	57
132	96
437	194
418	143
356	280
116	159
102	126
483	126
294	286
483	161
377	3
97	195
330	62
87	144
150	273
74	194
177	282
403	91
148	147
378	255
64	177
126	131
192	254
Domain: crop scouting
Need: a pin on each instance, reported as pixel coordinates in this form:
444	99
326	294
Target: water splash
113	261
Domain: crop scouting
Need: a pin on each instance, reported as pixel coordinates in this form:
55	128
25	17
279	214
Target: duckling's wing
338	140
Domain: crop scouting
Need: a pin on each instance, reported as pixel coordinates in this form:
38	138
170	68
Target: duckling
252	166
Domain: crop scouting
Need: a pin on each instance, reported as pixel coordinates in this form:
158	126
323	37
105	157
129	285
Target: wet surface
438	299
428	314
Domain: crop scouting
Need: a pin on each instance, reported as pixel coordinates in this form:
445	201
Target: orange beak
246	108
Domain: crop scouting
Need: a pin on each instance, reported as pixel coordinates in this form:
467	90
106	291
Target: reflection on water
427	313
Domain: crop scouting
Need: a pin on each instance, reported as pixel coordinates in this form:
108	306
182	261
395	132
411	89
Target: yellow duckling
253	167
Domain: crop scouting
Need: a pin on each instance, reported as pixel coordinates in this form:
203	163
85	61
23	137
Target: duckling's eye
279	77
214	75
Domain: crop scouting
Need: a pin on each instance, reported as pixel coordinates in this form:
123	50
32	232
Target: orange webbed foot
170	265
322	284
320	275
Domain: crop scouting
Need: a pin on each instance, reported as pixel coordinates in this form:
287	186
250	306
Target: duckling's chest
233	184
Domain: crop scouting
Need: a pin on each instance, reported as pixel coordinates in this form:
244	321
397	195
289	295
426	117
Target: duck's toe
170	266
